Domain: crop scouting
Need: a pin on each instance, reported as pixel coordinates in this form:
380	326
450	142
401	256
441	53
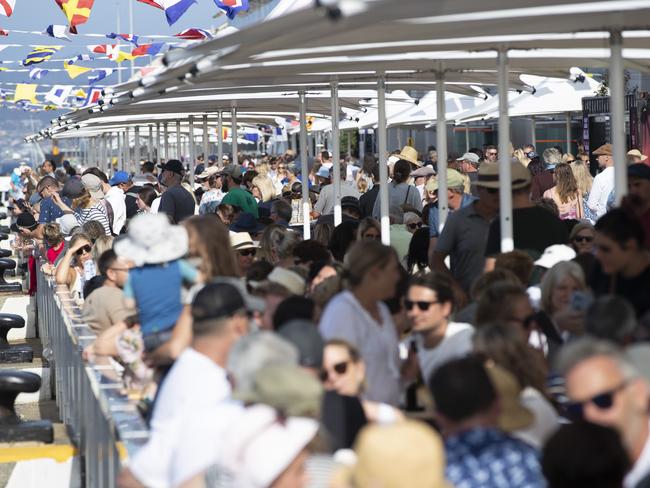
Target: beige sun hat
241	240
410	154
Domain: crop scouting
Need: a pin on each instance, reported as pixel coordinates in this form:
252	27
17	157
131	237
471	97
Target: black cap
217	301
173	165
304	335
73	188
24	221
350	202
639	170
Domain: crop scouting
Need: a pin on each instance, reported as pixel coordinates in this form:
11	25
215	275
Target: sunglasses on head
87	248
603	401
583	239
414	225
422	305
339	368
248	252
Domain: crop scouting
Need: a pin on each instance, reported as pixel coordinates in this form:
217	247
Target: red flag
152	3
76	11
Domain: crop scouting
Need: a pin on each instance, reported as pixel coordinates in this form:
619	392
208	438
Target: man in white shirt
604	387
429	304
603	183
116	197
197	380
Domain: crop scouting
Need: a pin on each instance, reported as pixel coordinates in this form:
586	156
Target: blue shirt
434	215
50	211
156	289
489	458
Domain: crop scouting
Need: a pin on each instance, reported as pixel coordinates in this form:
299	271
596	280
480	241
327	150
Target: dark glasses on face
603	401
491	154
414	225
422	305
247	252
339	368
84	249
583	239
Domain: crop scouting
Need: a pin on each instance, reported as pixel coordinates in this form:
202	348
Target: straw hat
637	154
152	240
410	154
405	454
209	171
514	416
241	240
488	175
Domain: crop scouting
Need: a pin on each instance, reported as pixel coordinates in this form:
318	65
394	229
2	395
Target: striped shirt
96	212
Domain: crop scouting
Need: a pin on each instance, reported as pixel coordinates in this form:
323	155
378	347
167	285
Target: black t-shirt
178	203
367	201
533	228
636	290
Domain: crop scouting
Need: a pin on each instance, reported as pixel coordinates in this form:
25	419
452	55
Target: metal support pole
533	132
304	166
192	151
179	148
568	132
220	138
119	150
505	183
166	142
233	137
136	149
382	150
466	138
205	140
127	147
336	153
149	146
441	147
617	114
157	158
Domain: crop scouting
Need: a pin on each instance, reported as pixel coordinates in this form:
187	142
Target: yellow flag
74	70
25	91
122	56
80	95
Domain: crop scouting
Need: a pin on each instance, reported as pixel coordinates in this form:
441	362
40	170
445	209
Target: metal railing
102	422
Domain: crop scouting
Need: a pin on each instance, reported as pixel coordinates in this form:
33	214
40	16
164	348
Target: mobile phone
580	301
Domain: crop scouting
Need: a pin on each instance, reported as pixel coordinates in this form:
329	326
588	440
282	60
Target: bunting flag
93	96
59	94
37	73
125	37
4	33
74	70
174	9
80	57
25	91
232	7
100	48
40	54
148	49
101	74
57	31
80	95
194	34
152	3
7	7
76	11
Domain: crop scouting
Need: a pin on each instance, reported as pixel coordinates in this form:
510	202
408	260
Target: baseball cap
639	170
291	280
232	170
323	172
604	150
119	177
73	188
173	165
94	185
469	156
217	301
555	254
305	336
454	180
67	223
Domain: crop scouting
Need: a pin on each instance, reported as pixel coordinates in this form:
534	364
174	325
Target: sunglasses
85	249
339	368
603	401
491	154
247	252
422	305
583	239
414	225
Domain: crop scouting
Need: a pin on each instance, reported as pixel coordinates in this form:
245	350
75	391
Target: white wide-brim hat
152	240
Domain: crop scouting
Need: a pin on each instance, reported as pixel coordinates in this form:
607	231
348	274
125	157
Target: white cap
261	445
555	254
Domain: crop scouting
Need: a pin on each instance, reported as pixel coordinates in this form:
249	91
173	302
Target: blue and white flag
174	9
80	57
37	73
125	37
99	75
57	31
59	94
232	7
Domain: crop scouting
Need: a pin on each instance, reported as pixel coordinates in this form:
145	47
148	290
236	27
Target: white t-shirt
602	186
194	383
345	318
546	418
115	196
456	343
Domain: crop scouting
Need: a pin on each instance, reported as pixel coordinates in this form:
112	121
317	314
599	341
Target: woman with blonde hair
277	245
565	193
84	207
263	189
521	157
580	169
70	270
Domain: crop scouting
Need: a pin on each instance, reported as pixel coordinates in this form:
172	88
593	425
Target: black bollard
7	264
12	428
18	353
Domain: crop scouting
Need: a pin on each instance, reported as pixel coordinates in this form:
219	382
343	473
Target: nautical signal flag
40	54
4	33
80	95
174	9
100	75
93	97
74	70
76	11
7	7
57	31
152	3
232	7
194	34
37	73
59	94
125	37
25	91
101	48
148	49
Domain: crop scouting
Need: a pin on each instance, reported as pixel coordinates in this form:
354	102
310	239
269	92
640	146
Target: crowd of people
262	359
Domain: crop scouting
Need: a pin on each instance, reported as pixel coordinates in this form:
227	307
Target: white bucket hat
260	446
555	254
152	240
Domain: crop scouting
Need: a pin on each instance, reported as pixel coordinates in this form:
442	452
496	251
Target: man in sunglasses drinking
429	303
604	387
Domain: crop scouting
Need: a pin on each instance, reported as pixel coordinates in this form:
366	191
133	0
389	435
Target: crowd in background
265	360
